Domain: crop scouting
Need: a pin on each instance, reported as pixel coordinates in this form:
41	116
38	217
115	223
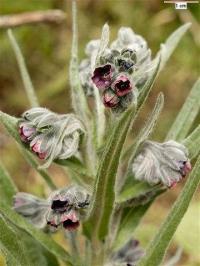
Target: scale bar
176	1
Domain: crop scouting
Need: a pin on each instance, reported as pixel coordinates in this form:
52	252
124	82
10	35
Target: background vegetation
46	48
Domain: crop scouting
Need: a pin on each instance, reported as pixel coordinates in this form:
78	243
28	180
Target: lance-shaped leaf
24	72
187	115
46	241
7	186
148	127
104	194
79	101
169	46
156	250
103	42
192	142
9	239
11	124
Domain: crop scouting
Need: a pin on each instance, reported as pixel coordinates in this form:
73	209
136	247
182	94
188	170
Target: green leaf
46	241
171	43
103	42
7	186
10	123
148	127
79	101
9	238
148	85
129	222
192	142
187	115
104	194
23	70
157	248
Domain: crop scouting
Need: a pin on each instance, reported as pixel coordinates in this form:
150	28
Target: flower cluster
50	135
165	163
127	255
64	208
122	71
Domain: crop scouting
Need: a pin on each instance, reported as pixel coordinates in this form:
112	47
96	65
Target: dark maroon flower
26	132
185	168
36	147
102	76
122	85
110	99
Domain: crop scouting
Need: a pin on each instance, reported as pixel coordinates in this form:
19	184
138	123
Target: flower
164	162
110	99
64	208
51	136
122	85
102	76
127	255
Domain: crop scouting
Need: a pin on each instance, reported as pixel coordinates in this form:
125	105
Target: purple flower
36	147
122	85
102	76
26	132
110	99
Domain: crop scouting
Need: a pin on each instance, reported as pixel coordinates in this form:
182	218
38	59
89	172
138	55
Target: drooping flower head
64	208
50	135
165	163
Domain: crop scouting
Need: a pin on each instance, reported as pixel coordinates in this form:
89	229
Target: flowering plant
112	184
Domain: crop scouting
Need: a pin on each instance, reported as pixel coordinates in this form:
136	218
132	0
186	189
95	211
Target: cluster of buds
165	163
122	70
129	255
50	135
64	208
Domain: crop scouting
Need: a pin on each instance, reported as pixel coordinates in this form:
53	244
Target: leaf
46	241
169	46
30	91
79	101
129	222
7	186
158	246
103	42
192	142
104	194
148	85
10	241
148	127
10	123
187	115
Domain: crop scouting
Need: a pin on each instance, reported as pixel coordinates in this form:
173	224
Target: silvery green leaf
7	186
103	42
157	248
186	115
46	241
30	91
169	46
192	142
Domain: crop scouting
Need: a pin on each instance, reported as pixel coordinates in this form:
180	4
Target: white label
181	5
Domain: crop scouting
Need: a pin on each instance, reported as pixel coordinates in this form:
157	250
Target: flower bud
64	207
164	162
51	136
122	85
110	99
102	76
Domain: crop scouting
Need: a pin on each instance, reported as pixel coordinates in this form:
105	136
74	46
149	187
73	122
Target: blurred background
46	48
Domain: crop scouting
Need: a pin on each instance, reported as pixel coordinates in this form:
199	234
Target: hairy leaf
45	240
169	46
30	91
157	248
103	42
7	186
192	142
187	115
104	194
